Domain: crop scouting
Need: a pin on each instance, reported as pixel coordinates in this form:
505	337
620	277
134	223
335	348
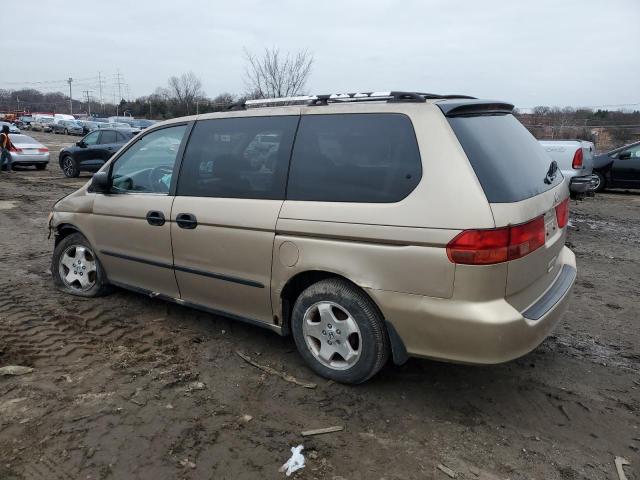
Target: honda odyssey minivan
368	226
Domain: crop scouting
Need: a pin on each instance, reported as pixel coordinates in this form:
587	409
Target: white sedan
28	151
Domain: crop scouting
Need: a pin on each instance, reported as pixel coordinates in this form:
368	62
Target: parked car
575	160
63	116
26	120
28	152
87	126
142	123
356	237
12	127
90	153
42	124
68	127
619	168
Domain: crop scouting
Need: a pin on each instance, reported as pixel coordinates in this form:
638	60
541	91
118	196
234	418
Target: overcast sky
536	52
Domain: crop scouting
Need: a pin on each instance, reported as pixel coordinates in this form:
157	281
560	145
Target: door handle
155	218
187	220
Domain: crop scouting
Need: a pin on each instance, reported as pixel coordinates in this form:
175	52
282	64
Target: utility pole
86	92
100	87
18	103
118	80
70	98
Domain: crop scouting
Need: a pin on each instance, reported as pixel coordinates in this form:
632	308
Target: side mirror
624	156
100	182
81	144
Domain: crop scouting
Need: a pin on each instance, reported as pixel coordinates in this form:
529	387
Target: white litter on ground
295	463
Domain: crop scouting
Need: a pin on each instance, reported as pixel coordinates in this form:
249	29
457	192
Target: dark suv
90	153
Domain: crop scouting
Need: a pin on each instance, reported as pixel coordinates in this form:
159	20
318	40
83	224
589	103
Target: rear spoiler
474	107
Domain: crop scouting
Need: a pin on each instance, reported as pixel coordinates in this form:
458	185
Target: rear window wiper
551	173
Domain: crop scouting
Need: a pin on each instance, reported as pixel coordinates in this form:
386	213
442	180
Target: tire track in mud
59	331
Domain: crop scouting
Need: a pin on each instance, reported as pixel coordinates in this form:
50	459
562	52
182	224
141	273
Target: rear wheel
599	182
76	269
70	167
339	331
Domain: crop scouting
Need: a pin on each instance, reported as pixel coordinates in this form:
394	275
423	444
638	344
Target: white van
62	116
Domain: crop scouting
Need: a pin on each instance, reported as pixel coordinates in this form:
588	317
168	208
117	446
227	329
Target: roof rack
317	100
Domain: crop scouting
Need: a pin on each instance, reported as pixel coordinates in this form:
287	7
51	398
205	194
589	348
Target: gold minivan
368	226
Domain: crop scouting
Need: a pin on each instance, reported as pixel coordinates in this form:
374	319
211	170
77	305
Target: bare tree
274	74
185	90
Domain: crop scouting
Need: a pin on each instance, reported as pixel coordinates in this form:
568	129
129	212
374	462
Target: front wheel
599	182
339	331
76	269
70	167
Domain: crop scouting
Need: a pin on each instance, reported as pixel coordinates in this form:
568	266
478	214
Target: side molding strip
219	276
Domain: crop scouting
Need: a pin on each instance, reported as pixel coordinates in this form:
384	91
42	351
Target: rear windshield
22	139
507	159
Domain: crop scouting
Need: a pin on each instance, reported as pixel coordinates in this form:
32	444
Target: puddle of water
7	205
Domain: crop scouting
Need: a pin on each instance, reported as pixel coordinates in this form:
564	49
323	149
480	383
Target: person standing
5	145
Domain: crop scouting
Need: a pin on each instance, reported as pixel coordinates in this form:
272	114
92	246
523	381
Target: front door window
147	167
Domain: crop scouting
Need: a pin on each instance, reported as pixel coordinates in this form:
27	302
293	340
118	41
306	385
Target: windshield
508	161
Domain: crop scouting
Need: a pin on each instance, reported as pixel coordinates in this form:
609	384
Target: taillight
577	159
43	150
486	247
562	213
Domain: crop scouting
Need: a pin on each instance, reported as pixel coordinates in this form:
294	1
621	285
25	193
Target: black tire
99	284
602	182
373	340
41	166
69	167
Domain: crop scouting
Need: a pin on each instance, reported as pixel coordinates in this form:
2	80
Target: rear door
229	194
131	223
109	144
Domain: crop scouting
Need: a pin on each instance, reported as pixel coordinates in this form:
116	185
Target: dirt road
127	387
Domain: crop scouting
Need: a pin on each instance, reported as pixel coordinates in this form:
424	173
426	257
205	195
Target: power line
47	81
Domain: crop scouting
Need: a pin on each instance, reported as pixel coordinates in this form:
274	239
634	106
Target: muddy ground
127	387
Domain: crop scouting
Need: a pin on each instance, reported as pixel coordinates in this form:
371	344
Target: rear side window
508	161
354	158
108	136
238	158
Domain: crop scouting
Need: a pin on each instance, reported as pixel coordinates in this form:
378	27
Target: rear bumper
580	184
486	332
29	159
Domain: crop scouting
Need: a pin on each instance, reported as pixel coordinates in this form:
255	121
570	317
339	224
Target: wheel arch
302	280
63	230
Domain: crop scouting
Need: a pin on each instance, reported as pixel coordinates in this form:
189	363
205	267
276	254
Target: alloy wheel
68	167
332	335
78	268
